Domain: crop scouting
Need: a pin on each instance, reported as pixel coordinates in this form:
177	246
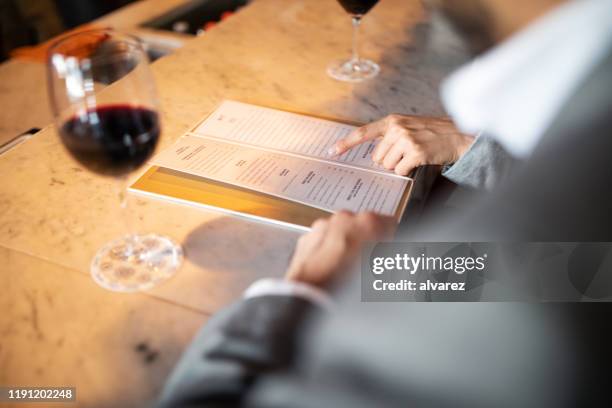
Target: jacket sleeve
483	166
250	338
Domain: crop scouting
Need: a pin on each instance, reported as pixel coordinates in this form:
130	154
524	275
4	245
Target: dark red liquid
358	7
112	140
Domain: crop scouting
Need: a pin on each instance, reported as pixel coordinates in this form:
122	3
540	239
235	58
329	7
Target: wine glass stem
356	24
122	184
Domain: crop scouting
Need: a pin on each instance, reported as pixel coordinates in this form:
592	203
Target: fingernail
332	151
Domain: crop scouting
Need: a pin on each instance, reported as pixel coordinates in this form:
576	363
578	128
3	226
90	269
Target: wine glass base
353	70
136	262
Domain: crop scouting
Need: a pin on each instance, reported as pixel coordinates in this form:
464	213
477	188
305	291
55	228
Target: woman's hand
409	141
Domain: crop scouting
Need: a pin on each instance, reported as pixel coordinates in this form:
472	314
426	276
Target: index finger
358	136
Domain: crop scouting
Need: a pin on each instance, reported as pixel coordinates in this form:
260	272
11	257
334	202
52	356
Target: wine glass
355	69
103	98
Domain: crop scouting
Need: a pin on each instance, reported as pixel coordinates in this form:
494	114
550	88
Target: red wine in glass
357	7
103	97
119	140
356	69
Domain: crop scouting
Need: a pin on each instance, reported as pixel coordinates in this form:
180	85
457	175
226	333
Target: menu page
284	131
319	184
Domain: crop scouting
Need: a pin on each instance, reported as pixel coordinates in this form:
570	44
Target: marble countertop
60	327
23	98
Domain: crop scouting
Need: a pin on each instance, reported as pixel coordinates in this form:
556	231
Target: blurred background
29	27
30	22
27	23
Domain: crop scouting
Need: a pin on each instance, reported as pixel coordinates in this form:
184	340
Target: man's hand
409	141
333	244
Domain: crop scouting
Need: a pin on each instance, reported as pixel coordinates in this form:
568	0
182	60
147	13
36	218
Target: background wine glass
103	97
355	69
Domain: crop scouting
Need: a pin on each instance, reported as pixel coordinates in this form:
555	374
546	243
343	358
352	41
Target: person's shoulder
590	105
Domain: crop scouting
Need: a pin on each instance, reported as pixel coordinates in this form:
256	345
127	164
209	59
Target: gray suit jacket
283	352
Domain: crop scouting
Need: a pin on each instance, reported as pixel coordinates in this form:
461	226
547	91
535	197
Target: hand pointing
409	141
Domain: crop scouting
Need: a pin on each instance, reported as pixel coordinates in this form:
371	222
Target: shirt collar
514	91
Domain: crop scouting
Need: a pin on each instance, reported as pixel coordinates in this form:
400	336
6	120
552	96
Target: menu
284	154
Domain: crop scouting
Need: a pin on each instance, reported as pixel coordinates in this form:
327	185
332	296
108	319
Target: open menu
248	156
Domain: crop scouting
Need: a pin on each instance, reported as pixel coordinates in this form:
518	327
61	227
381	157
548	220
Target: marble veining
59	329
